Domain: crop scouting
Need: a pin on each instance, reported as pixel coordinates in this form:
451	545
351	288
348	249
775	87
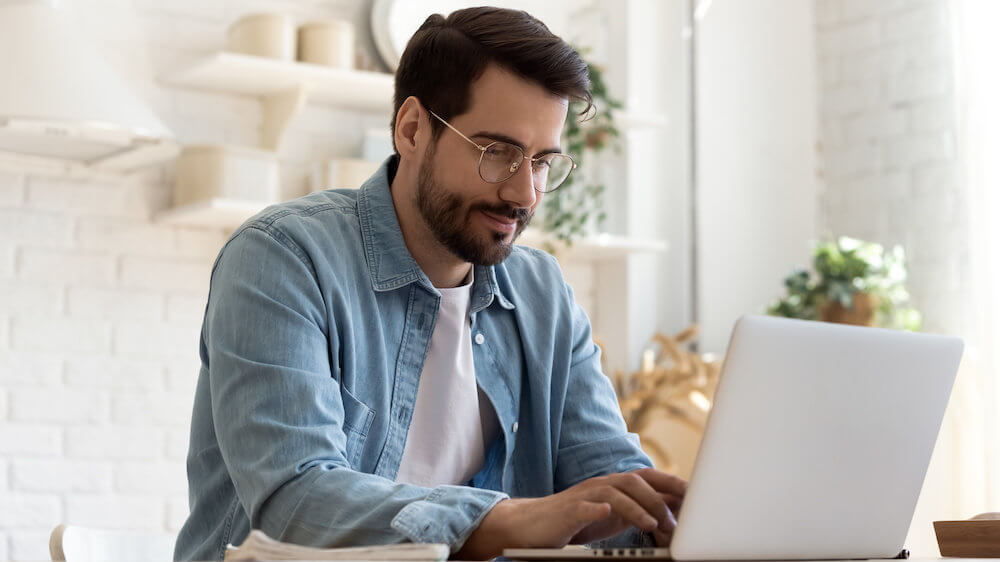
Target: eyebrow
515	142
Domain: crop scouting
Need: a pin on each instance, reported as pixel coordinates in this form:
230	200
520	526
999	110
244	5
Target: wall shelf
80	147
261	77
594	248
284	87
213	213
230	213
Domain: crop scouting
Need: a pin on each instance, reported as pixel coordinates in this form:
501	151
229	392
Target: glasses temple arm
447	124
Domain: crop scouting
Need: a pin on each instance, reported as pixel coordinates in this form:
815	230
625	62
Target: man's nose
519	189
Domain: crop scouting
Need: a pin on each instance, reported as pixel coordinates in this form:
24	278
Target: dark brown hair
446	55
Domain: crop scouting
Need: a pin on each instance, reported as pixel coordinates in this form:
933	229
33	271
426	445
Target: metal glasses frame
515	166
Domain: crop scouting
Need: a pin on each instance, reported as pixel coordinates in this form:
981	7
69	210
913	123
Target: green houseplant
855	282
568	212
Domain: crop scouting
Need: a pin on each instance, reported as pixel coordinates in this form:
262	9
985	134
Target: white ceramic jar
327	42
209	171
263	35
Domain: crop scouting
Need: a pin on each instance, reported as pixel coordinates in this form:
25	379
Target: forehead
503	102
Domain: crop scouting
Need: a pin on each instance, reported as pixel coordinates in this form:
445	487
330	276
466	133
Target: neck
443	268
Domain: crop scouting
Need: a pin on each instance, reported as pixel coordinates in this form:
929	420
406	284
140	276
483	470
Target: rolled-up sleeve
593	438
279	416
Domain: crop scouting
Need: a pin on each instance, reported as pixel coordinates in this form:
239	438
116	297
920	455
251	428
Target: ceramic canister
263	35
327	42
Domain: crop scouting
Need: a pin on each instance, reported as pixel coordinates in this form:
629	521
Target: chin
493	248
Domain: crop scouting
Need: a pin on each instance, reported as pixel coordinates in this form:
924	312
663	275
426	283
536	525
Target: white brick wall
889	132
30	440
60	475
116	511
23	544
101	306
888	137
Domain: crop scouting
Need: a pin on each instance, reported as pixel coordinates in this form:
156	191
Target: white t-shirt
453	420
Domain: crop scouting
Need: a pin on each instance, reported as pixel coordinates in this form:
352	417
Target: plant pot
863	313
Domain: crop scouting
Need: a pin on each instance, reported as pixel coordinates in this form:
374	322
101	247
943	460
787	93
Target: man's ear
409	129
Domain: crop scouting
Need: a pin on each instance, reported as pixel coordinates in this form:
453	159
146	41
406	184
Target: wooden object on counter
672	383
978	537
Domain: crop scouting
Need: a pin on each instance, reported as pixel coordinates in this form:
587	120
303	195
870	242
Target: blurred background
736	142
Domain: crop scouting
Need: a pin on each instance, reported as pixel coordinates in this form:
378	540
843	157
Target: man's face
475	220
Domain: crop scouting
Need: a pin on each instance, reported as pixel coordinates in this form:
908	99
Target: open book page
259	546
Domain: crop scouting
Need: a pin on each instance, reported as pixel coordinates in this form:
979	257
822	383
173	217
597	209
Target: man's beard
448	220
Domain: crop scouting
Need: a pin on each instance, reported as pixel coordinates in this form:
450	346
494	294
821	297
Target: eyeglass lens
501	161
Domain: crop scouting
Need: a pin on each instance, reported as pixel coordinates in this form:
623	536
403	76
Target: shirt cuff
448	515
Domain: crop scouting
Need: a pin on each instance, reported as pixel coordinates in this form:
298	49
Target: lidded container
205	172
263	35
328	42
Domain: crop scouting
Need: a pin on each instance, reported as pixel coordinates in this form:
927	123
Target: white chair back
84	544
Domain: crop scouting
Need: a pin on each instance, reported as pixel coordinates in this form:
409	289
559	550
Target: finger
671	520
663	482
587	512
639	490
663	538
665	533
673	502
624	507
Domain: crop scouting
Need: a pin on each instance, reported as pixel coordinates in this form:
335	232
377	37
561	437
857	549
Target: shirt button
480	338
513	428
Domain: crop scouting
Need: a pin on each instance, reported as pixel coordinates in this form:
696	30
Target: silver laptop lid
818	442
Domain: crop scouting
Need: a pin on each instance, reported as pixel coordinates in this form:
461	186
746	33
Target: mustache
507	211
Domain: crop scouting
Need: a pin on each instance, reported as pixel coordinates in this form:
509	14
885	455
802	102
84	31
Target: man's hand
594	509
653	501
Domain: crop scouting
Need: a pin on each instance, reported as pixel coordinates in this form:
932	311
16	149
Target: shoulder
533	265
299	224
329	208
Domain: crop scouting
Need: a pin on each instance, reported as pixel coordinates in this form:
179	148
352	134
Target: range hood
60	100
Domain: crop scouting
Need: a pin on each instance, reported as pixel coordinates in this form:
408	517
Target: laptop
816	447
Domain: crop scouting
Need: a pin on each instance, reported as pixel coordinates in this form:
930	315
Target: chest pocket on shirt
358	419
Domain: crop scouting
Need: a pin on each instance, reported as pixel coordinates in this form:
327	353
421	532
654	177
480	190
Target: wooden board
969	539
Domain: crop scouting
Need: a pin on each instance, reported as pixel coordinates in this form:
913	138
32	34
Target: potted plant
855	282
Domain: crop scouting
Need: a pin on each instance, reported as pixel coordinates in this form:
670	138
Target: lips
503	224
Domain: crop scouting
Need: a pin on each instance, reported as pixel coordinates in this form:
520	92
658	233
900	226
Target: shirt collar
389	261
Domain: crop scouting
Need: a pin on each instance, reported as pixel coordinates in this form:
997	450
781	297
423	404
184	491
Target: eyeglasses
499	161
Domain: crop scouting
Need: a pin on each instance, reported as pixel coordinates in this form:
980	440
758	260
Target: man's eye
501	152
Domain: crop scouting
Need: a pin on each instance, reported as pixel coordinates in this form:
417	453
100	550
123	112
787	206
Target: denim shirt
314	337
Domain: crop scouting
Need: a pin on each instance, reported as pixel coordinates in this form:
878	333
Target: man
384	365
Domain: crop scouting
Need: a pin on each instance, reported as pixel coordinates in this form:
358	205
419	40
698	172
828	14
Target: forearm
341	507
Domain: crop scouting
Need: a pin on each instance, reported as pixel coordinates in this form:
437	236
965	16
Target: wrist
494	533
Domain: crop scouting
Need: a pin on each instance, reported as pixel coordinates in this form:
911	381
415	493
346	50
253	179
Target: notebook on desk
816	447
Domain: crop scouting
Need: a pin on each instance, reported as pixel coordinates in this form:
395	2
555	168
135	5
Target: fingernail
650	522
